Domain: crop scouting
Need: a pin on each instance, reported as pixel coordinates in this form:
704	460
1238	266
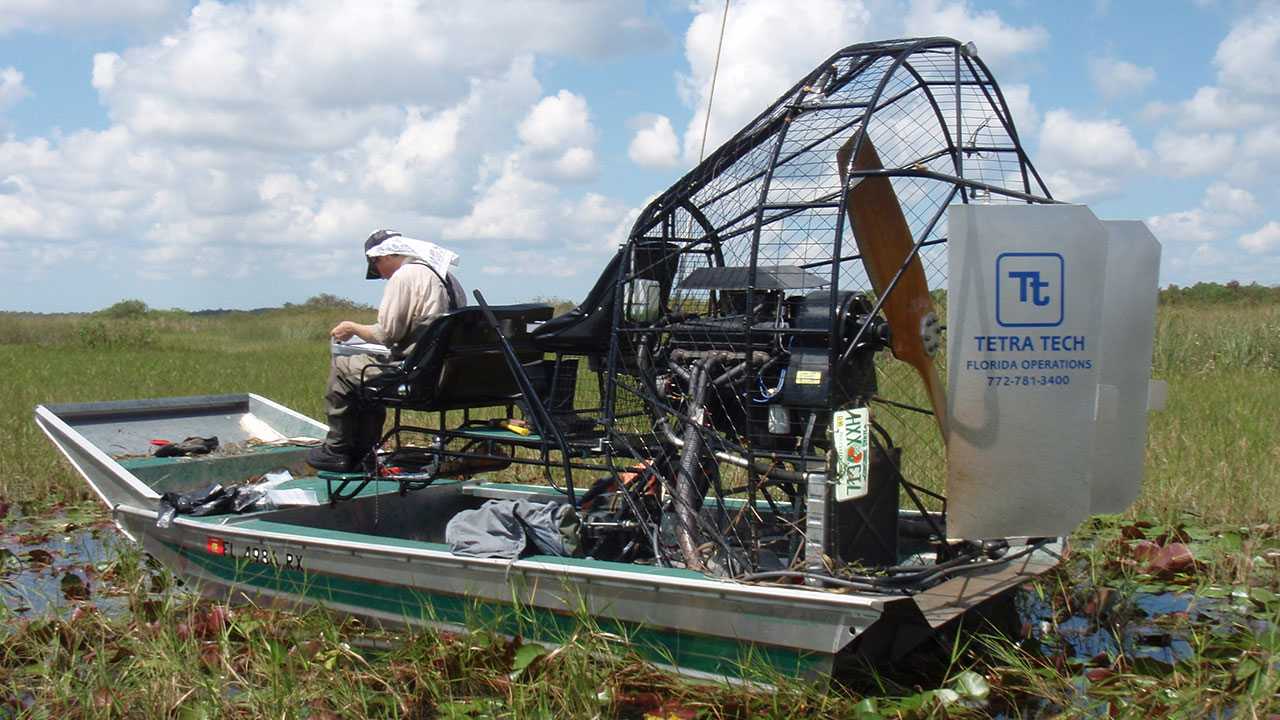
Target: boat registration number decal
255	553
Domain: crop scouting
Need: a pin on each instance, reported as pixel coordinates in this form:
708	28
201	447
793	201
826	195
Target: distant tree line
1206	293
134	309
124	310
326	301
1233	292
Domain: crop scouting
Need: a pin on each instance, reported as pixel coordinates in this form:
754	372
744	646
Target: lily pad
971	685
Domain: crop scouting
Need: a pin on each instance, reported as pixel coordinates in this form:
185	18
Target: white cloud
592	227
1104	146
574	165
1183	226
264	138
260	130
654	145
1262	242
1248	82
1079	187
1084	159
12	89
315	76
425	142
17	216
1258	161
90	16
559	140
513	207
768	46
1196	155
1234	139
1214	109
1207	256
516	207
1248	58
1223	210
1115	78
557	122
1026	118
87	183
429	160
532	263
998	43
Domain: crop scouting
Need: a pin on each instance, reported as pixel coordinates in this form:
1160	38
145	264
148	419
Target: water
53	564
1141	625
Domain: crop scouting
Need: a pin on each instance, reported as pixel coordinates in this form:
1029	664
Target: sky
200	155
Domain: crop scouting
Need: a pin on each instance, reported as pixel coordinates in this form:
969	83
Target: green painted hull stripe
689	651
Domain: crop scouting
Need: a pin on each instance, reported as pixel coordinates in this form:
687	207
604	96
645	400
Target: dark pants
354	428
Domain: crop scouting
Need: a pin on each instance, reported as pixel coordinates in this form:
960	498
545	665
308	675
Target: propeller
887	249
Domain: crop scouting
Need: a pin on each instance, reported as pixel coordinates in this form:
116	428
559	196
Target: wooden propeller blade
885	244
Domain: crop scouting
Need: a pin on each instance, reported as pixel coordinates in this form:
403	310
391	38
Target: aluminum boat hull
380	556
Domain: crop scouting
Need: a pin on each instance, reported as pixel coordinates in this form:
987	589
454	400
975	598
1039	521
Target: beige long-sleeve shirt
412	292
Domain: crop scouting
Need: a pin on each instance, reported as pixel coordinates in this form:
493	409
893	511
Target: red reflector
215	545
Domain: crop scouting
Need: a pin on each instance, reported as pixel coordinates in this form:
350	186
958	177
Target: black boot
326	458
337	454
367	435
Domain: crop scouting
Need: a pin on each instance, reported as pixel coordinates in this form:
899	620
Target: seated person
420	283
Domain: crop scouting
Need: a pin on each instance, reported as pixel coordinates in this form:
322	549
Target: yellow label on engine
809	377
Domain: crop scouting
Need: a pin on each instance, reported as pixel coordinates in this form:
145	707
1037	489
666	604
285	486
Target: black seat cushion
457	361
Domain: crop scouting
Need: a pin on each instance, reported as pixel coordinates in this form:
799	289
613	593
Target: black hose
688	497
905	582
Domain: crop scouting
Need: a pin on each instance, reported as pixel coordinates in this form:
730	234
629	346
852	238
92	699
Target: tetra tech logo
1029	288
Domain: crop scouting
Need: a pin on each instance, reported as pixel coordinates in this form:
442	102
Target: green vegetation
172	654
1214	450
1215	294
282	354
1171	610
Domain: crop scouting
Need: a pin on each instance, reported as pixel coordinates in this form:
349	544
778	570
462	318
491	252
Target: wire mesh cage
798	271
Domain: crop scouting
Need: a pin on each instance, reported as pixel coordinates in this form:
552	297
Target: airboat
742	436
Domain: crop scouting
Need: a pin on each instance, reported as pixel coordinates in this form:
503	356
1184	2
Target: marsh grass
174	655
1215	449
1198	339
282	355
1212	485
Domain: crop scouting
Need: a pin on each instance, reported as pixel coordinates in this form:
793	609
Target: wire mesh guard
797	272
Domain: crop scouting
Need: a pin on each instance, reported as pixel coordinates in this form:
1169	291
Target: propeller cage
796	272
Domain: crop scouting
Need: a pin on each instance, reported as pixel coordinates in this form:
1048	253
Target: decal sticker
851	439
217	546
267	556
1029	289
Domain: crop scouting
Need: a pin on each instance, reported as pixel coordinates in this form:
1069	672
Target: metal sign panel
1024	331
1124	367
